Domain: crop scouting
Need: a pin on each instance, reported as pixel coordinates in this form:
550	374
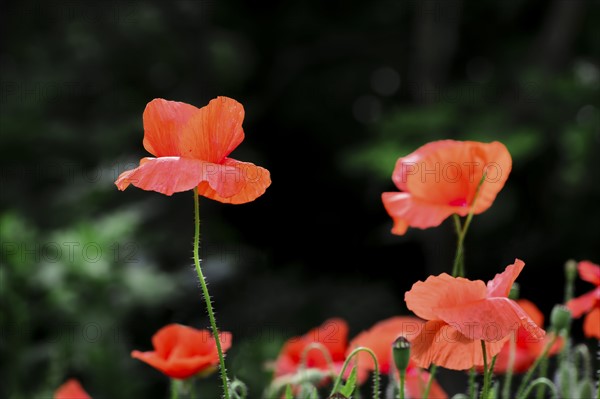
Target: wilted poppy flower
527	348
332	335
441	178
462	313
379	339
191	148
181	351
588	303
71	389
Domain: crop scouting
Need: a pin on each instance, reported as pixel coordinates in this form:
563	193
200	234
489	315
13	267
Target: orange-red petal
379	339
214	131
416	381
166	175
589	272
407	210
182	351
591	324
532	311
443	291
235	182
163	123
448	171
489	319
443	345
500	285
584	303
71	389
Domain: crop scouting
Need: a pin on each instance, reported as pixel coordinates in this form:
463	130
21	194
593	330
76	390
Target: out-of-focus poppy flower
191	148
181	351
379	339
527	348
462	313
441	178
332	335
71	389
588	303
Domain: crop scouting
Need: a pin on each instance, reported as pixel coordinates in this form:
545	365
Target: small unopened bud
515	291
401	351
560	318
571	270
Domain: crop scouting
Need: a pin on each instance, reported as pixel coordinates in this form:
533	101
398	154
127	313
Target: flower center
458	202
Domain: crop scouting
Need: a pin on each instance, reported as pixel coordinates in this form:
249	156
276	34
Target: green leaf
288	392
350	384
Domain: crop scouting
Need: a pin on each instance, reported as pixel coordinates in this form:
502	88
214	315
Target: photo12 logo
451	172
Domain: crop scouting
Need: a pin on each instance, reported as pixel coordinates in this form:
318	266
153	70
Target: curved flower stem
209	308
355	352
324	351
545	382
432	371
532	369
509	370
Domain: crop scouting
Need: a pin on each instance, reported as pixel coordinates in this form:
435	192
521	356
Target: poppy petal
214	131
589	272
490	319
584	303
71	389
502	282
532	311
166	175
447	171
163	124
380	338
407	210
443	291
591	324
235	182
443	345
416	382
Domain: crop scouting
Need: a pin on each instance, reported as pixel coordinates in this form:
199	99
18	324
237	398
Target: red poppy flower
441	178
461	313
71	389
191	148
588	303
379	339
527	348
181	351
332	335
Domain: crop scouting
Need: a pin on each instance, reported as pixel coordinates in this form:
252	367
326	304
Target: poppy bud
571	270
401	351
515	290
560	318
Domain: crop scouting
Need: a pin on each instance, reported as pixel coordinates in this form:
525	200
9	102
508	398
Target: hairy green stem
209	308
402	374
486	382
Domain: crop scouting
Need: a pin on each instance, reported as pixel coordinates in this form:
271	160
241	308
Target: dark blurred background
334	93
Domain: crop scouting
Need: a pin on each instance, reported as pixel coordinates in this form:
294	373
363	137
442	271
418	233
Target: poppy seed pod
401	351
560	317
